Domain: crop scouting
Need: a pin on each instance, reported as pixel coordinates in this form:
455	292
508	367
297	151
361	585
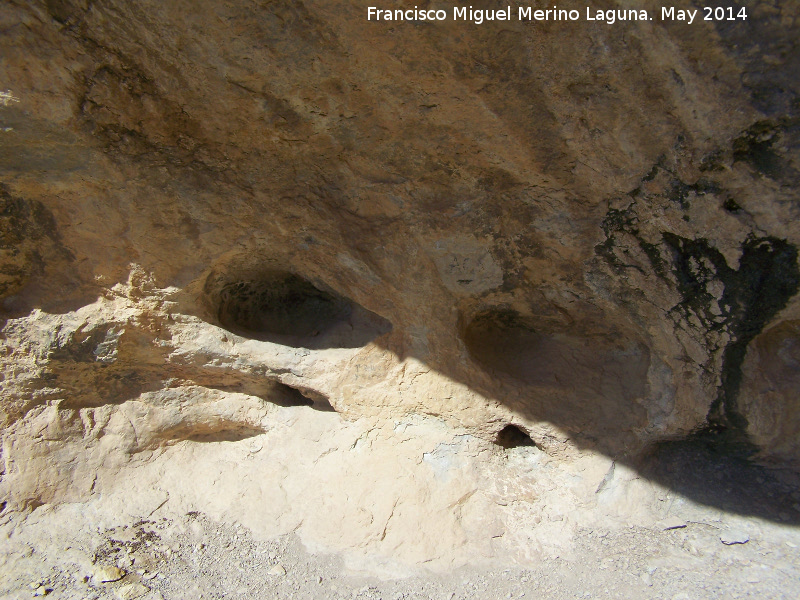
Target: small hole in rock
512	436
289	396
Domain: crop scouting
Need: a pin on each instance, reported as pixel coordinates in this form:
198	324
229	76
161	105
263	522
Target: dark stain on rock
694	264
27	231
731	206
756	147
767	278
615	221
680	192
712	162
752	295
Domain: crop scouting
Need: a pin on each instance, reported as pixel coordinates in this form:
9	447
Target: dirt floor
749	550
194	557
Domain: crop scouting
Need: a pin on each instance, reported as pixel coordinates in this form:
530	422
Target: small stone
105	574
646	579
41	591
672	523
277	570
131	591
734	536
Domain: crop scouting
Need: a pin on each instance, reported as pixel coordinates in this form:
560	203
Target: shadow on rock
716	473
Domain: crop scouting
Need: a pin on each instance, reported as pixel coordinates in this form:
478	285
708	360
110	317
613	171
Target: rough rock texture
221	222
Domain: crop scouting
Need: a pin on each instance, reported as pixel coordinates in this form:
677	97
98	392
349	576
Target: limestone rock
672	523
377	246
131	591
730	537
277	570
107	574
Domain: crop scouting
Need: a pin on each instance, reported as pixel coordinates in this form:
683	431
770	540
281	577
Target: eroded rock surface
275	223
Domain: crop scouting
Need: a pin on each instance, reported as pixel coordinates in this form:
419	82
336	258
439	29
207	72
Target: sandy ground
194	557
700	551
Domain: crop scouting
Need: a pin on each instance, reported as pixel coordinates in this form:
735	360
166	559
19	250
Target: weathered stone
220	221
107	574
730	537
131	591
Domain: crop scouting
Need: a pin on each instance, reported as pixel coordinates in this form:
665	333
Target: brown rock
212	213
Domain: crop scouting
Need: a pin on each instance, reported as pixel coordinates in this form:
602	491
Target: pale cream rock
243	274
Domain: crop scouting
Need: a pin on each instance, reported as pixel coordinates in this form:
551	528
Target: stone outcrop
210	212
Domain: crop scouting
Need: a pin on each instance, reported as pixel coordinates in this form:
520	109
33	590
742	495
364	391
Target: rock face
207	210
